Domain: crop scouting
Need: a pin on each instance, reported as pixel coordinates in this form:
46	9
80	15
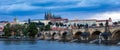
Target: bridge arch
53	35
77	35
64	34
116	35
48	34
95	35
39	34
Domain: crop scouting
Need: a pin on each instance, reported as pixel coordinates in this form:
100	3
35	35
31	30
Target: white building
43	21
103	22
83	22
90	22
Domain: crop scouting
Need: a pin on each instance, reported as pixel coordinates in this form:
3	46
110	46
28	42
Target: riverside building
90	22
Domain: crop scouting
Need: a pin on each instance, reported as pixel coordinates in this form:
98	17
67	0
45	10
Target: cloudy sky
71	9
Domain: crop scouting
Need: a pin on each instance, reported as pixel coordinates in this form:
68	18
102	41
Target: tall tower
48	16
29	21
45	17
15	19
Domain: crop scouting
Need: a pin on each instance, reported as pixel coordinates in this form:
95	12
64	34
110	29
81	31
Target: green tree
101	24
47	27
57	24
24	30
61	24
17	29
93	24
40	25
50	23
32	29
75	24
115	23
7	30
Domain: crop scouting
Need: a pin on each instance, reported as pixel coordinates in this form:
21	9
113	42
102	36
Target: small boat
94	41
74	40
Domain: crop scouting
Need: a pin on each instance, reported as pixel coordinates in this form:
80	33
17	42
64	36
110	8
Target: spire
48	15
15	19
29	21
45	17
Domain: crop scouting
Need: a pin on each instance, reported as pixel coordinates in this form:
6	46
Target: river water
52	45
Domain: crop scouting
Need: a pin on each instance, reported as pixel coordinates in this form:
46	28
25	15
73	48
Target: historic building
57	21
15	21
99	22
90	22
41	20
83	22
49	16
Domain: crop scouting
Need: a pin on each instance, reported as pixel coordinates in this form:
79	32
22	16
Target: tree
32	29
101	24
16	29
7	30
47	27
75	24
25	30
61	24
86	26
57	24
50	23
81	25
78	26
93	24
115	23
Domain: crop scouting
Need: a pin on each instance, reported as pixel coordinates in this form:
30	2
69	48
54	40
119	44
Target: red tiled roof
74	27
102	20
90	20
59	28
58	19
83	20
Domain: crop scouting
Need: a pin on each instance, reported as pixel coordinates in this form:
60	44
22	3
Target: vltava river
52	45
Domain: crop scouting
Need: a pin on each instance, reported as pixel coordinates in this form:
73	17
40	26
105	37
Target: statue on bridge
107	32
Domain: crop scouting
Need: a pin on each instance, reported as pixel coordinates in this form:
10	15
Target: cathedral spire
15	19
48	15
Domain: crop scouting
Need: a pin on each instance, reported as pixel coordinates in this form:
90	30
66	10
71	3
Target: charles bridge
111	33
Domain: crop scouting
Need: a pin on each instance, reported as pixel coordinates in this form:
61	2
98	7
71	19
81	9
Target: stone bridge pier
82	34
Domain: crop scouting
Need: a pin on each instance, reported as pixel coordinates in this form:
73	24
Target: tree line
24	30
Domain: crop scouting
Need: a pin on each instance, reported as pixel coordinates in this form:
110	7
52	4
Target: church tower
48	16
15	19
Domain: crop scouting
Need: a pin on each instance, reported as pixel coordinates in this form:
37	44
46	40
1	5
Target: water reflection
32	42
51	45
